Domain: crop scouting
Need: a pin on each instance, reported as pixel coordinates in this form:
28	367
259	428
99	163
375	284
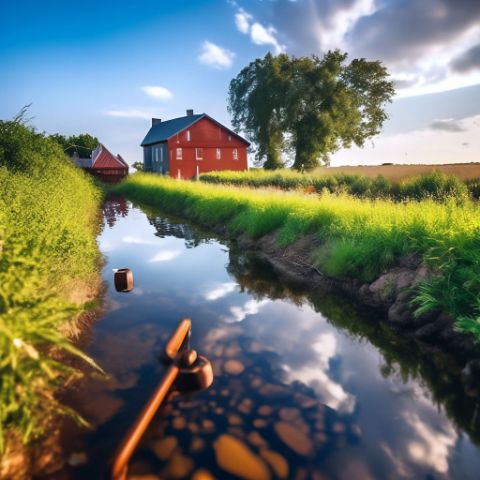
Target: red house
103	164
185	146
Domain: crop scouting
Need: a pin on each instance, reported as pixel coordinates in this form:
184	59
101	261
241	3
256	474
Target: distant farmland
464	171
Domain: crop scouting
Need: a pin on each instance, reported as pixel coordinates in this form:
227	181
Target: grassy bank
436	185
359	238
48	265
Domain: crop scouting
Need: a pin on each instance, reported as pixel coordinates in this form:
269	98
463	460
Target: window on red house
218	154
199	153
235	154
179	153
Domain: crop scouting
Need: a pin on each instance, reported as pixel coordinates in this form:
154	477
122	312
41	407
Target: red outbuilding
103	164
186	146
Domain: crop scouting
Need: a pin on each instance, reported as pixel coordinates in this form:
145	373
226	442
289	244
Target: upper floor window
179	153
218	154
199	153
188	135
229	138
235	154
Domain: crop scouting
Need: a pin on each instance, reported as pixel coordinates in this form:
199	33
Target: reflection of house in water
114	208
103	165
165	228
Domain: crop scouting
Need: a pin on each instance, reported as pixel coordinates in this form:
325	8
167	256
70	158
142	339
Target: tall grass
359	238
48	254
436	185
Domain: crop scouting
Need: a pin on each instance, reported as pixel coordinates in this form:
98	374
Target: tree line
311	106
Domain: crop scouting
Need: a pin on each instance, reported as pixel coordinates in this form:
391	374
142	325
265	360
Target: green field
49	264
359	238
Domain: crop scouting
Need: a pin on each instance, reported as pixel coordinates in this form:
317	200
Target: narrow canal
305	386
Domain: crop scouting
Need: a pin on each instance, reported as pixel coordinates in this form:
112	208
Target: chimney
190	113
155	121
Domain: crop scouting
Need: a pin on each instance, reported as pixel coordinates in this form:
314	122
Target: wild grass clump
360	238
436	185
48	252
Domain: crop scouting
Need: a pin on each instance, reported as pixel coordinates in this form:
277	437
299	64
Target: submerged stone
277	462
236	458
233	367
294	438
164	448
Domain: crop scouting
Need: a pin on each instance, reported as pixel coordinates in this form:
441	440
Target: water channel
305	385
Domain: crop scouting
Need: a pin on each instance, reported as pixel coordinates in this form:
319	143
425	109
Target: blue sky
106	67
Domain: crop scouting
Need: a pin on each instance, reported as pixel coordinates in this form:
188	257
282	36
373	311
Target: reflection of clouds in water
220	291
251	307
165	256
105	245
431	447
138	292
138	241
330	392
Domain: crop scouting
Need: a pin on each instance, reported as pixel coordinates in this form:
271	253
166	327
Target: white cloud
220	291
432	446
215	56
157	92
251	307
265	36
137	240
130	113
259	34
315	376
242	21
165	256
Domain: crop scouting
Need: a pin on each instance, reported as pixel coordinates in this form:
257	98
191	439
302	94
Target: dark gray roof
162	131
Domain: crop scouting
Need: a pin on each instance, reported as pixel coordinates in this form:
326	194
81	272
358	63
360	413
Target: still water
305	386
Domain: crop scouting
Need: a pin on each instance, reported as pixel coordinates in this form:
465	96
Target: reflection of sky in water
404	433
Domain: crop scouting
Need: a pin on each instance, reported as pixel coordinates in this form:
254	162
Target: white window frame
197	151
179	153
218	153
229	138
235	153
188	136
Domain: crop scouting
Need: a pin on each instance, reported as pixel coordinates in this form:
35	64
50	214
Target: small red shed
185	146
103	164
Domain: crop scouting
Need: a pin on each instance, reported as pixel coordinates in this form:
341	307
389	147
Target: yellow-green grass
49	263
359	238
435	185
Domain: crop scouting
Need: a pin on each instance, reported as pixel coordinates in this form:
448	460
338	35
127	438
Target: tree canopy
83	144
310	105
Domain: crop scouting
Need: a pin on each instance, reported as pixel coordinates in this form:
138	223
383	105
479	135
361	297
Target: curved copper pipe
130	442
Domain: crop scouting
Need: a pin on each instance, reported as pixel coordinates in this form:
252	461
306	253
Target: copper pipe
129	444
177	338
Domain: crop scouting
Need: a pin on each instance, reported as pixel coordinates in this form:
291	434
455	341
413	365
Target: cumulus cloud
428	46
447	125
252	307
242	21
220	291
157	92
215	56
469	60
259	34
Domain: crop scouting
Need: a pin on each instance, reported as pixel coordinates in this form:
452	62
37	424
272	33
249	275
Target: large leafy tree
256	103
318	104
